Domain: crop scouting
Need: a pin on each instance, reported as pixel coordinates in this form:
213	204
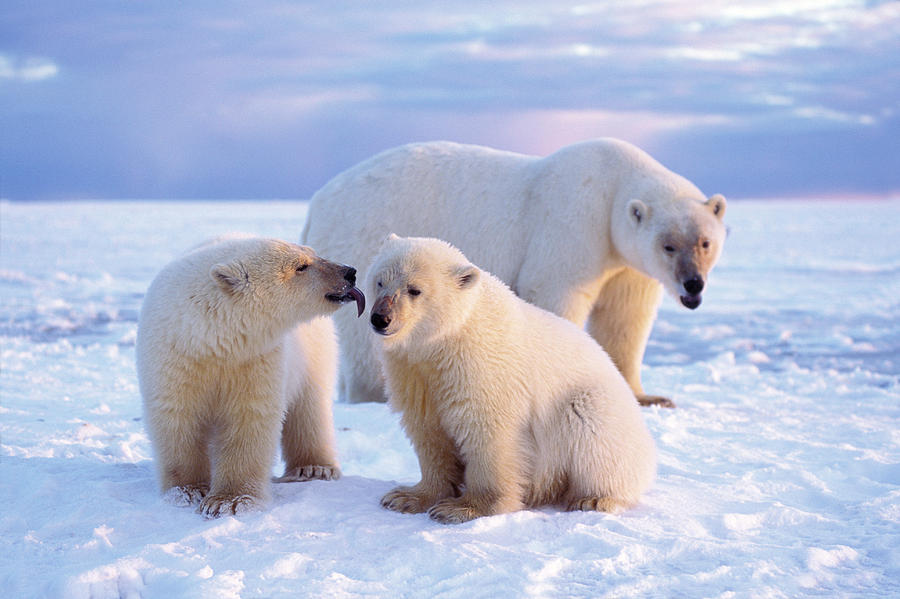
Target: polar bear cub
233	347
507	405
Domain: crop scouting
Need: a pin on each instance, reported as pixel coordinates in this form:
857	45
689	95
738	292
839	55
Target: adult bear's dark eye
302	267
705	244
413	291
669	248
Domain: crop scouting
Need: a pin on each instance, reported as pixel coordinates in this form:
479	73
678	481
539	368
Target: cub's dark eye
669	249
302	267
413	291
379	284
705	244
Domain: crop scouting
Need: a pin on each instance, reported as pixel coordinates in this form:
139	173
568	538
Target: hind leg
610	455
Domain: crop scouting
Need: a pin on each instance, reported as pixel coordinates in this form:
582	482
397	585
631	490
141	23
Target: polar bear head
271	284
422	290
677	241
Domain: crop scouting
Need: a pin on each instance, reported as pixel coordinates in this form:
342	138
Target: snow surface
779	472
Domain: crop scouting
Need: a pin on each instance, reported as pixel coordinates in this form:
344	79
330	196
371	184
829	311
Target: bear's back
472	196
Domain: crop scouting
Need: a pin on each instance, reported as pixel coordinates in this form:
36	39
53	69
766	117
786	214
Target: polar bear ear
466	276
638	211
716	205
232	277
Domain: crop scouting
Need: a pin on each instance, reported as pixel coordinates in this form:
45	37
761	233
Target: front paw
455	511
655	400
227	504
407	500
186	495
306	473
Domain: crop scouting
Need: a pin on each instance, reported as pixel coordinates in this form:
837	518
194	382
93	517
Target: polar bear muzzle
693	287
381	315
349	291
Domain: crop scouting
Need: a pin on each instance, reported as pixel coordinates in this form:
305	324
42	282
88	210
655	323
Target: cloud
181	98
28	69
274	108
837	116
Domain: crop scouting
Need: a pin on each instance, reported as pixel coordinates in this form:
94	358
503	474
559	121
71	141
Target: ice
779	473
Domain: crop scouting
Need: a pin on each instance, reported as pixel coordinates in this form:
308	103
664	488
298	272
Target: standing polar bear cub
506	405
592	233
232	342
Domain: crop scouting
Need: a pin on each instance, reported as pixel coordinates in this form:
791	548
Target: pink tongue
357	295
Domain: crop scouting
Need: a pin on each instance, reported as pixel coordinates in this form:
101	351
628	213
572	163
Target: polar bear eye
670	249
302	267
413	291
705	244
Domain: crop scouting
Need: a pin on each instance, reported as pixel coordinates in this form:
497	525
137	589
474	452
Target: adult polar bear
592	233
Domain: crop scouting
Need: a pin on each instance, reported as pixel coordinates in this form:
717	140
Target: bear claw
186	495
403	501
453	511
597	504
222	504
655	400
307	473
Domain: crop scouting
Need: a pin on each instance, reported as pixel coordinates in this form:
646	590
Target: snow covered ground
779	472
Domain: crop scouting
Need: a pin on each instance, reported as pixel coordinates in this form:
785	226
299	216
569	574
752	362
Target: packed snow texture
779	472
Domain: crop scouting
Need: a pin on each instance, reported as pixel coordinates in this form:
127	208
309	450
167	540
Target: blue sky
270	99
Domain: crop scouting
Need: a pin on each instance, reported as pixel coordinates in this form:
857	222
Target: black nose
380	321
694	286
350	275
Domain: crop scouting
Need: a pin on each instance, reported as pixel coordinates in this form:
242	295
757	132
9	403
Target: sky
270	99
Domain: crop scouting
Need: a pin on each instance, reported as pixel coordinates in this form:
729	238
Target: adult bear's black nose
350	275
380	321
694	286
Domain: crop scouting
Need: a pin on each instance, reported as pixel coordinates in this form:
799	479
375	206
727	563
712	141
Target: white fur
561	231
232	342
506	402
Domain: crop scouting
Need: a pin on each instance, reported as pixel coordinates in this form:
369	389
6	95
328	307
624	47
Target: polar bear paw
186	495
655	400
455	510
407	500
595	503
306	473
227	504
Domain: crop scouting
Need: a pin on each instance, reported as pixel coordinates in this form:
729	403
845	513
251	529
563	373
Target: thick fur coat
234	347
507	405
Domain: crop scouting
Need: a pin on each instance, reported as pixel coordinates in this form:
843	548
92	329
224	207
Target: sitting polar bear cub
222	357
507	405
